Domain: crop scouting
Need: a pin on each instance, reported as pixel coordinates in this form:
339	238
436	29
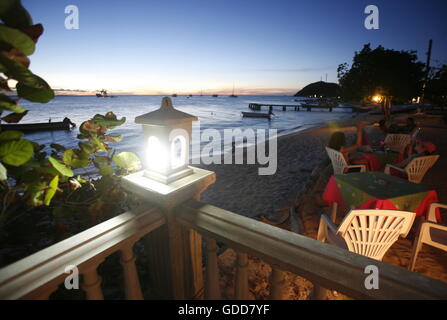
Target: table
377	160
376	190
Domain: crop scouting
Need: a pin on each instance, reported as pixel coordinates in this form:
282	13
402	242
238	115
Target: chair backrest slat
418	167
338	161
397	141
372	232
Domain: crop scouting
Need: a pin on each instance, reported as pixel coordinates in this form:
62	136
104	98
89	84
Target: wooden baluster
212	289
241	290
92	283
132	287
277	284
319	293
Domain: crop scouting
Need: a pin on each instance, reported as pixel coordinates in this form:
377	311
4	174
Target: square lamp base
169	178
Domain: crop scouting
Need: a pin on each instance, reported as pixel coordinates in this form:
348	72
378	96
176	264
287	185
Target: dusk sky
263	47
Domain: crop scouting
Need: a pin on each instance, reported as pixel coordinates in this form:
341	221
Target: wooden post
241	282
175	252
319	293
212	288
277	284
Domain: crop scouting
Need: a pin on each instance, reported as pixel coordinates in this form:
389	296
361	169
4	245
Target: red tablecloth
332	194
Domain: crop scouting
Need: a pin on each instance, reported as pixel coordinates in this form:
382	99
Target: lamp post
167	181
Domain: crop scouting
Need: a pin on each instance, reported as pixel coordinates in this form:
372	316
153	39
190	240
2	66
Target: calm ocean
213	112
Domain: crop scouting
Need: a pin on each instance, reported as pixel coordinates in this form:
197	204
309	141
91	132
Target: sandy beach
303	172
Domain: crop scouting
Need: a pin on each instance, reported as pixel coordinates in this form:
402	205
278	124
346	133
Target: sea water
219	113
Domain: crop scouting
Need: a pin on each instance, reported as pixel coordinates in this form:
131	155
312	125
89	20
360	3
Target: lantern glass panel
157	155
178	150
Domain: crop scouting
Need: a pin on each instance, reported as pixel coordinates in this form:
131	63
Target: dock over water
297	107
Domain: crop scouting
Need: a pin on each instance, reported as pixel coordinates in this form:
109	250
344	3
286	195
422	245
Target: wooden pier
297	107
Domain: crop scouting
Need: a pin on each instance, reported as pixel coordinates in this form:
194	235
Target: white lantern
166	141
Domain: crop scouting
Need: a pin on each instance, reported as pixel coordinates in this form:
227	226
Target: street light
377	98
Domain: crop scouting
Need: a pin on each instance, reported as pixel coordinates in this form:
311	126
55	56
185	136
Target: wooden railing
322	264
177	233
39	275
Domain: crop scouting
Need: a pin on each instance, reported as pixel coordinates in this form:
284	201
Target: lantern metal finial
166	104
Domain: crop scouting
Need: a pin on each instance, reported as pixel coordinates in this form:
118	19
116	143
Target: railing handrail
47	267
321	263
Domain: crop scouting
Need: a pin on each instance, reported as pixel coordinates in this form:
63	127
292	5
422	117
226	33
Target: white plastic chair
431	233
367	232
339	162
397	141
416	168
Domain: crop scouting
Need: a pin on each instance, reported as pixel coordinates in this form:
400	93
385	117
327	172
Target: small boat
43	126
174	95
103	94
256	115
215	95
232	95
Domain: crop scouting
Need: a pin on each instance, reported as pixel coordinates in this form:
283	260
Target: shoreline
239	188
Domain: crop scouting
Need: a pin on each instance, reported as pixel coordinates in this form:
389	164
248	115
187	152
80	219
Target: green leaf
35	192
128	161
29	86
14	117
106	170
47	171
17	39
74	159
51	191
40	93
114	137
99	144
101	160
14	14
60	167
11	107
108	122
10	135
87	147
58	147
6	103
3	174
16	153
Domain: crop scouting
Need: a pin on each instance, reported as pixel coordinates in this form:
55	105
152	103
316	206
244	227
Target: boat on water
215	95
103	94
66	124
174	95
256	115
232	95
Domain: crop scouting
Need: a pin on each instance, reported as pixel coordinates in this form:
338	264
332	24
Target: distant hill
320	88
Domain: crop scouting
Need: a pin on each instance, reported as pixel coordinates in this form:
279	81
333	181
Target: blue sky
187	46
